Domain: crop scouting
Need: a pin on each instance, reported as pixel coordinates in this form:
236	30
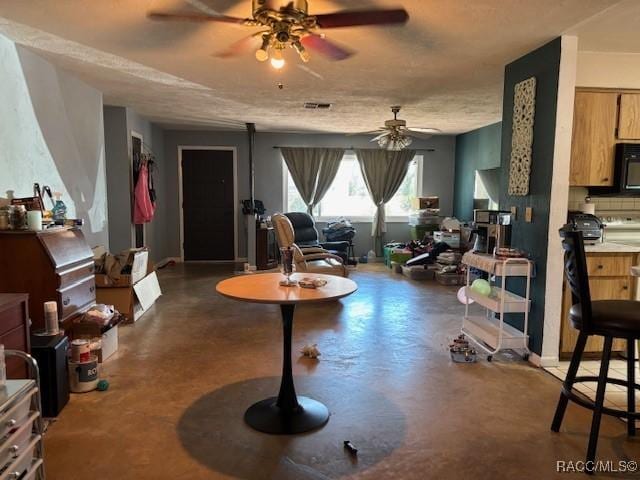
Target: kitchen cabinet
593	139
629	117
609	279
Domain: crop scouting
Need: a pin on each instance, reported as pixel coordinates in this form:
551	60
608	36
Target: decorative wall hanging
524	109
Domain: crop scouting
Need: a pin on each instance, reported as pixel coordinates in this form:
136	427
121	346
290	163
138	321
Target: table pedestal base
265	416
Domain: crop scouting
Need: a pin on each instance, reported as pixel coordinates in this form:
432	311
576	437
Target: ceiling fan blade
424	130
353	18
375	139
325	47
311	72
193	17
370	132
242	46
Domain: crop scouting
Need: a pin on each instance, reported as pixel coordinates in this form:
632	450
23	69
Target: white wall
608	70
51	132
559	202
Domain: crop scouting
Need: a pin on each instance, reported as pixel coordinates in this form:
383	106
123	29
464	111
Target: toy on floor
461	351
311	351
350	447
103	385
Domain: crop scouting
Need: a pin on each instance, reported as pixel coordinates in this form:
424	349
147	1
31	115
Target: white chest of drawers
21	452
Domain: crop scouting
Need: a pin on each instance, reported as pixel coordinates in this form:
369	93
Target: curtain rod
354	148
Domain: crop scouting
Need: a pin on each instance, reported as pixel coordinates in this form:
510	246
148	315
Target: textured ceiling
613	30
445	66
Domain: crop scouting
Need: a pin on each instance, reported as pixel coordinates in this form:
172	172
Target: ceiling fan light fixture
394	142
277	60
262	54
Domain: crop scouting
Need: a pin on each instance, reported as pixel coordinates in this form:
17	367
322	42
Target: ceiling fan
291	26
395	135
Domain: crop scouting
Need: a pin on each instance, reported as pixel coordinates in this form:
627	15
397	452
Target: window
348	195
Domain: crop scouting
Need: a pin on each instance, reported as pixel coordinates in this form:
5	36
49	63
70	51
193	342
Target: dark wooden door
208	204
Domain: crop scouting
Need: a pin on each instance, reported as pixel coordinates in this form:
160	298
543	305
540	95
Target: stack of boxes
426	217
132	293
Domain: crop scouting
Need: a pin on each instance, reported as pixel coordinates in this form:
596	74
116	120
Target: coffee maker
492	230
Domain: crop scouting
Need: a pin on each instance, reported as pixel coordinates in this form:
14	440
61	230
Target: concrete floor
189	368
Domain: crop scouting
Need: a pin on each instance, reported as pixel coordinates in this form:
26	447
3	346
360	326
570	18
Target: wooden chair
608	318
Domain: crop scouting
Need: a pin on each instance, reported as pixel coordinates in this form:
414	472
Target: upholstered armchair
311	259
306	236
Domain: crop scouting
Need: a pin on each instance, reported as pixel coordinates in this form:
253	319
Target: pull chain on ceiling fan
291	26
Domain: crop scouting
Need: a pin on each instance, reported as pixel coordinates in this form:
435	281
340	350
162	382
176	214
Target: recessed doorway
208	203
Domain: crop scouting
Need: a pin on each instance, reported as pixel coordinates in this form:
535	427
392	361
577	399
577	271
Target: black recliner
307	236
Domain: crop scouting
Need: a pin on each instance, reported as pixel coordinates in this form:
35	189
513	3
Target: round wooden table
287	413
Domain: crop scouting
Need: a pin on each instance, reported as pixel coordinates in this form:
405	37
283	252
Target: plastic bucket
83	376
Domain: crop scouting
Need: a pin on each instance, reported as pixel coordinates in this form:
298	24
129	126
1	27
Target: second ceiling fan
290	25
395	135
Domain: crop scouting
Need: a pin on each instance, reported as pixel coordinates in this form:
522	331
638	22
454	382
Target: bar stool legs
631	391
568	381
599	403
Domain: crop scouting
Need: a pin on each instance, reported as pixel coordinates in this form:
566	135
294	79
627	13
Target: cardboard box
108	339
132	301
139	261
422	203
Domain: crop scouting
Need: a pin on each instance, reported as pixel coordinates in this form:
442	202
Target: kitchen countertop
610	247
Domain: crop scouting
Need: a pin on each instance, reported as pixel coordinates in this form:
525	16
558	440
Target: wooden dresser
14	330
55	264
609	279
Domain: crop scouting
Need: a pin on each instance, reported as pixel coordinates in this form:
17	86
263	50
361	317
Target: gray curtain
313	171
383	172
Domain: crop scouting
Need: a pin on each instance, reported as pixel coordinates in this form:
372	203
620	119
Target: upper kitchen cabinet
594	138
629	118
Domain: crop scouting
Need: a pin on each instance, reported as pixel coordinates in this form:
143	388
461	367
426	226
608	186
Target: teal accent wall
544	64
475	150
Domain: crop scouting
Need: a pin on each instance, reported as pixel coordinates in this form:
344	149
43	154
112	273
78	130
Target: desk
287	413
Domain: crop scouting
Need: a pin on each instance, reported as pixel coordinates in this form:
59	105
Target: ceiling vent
317	106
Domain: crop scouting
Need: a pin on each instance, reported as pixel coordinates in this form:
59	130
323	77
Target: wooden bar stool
608	318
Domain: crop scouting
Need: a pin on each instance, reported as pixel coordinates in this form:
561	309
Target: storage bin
450	278
16	442
15	416
418	273
418	232
397	255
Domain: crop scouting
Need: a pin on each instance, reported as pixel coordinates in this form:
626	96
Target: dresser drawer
16	416
15	444
22	465
15	339
76	296
602	265
76	274
12	317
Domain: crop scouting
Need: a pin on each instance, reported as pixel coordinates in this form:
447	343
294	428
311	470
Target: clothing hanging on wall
144	208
